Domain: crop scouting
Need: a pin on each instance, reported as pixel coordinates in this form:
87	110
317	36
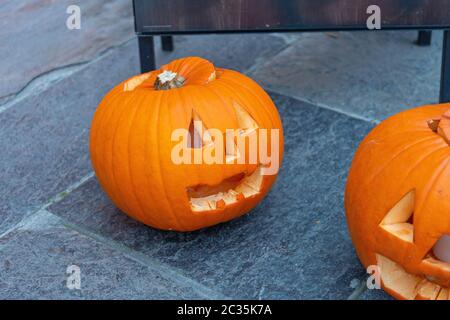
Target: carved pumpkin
398	203
132	145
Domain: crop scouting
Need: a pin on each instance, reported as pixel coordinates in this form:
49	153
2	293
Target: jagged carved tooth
212	204
220	204
229	197
443	295
196	207
427	290
240	196
199	204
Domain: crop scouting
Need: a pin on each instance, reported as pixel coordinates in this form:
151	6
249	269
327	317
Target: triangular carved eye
245	120
399	220
199	136
247	126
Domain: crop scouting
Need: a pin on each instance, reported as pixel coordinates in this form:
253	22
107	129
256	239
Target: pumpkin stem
168	80
441	127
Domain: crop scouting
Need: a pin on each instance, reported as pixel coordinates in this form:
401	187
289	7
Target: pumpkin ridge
113	122
418	131
161	174
130	175
184	108
419	162
430	185
213	91
124	116
99	123
148	154
396	156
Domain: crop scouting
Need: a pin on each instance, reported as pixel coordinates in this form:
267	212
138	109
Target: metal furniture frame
171	17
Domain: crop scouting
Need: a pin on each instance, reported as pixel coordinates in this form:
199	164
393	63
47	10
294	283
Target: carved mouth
409	286
229	191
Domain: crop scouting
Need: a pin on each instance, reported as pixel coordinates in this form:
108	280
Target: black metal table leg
146	53
424	38
167	43
445	69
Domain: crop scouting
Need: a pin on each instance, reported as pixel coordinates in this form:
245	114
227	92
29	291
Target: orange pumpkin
398	203
132	145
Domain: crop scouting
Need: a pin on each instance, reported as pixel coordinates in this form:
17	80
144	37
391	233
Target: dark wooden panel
445	71
191	16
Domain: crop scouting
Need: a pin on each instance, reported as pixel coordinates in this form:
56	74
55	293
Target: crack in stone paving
153	264
324	106
359	290
43	81
55	199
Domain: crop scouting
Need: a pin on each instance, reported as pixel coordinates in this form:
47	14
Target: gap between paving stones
153	264
43	81
324	106
359	290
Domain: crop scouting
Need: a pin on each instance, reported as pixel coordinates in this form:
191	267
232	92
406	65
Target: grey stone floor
294	245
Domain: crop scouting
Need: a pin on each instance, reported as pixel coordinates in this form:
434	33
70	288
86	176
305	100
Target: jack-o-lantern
398	203
141	155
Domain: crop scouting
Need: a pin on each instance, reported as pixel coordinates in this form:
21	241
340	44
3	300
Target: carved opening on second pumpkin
441	249
439	255
399	220
437	262
407	285
231	190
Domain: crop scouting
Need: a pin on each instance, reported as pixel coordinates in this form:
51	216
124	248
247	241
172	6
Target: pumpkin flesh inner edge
229	191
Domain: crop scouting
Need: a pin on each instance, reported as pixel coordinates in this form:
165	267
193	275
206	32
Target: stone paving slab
369	74
374	295
35	39
34	259
293	245
44	137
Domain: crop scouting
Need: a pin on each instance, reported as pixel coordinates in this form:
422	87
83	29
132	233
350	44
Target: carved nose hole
199	136
195	139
